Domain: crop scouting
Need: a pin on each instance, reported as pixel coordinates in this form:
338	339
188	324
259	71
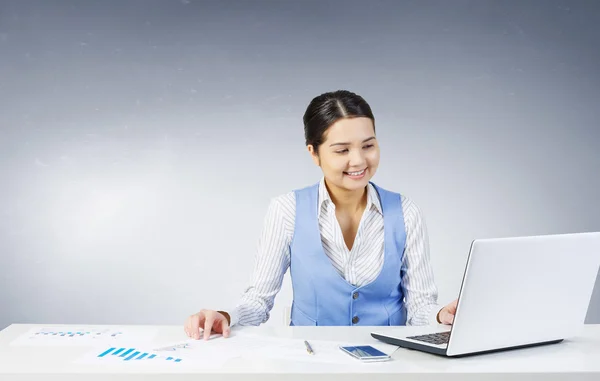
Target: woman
357	253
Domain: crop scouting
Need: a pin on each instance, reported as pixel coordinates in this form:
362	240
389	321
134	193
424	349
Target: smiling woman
358	254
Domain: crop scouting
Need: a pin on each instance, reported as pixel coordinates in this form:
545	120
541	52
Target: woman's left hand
446	314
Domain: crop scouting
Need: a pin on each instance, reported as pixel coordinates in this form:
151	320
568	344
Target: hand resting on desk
210	321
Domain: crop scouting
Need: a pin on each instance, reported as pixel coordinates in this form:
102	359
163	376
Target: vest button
355	320
355	295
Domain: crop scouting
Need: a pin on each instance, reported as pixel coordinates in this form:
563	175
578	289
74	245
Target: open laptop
516	292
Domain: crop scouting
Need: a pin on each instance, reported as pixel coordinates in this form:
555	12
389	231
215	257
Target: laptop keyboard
433	338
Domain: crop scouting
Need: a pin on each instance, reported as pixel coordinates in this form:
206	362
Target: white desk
575	359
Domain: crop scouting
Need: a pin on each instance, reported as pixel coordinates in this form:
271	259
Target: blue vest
321	295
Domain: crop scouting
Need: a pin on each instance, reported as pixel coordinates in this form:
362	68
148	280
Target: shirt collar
325	200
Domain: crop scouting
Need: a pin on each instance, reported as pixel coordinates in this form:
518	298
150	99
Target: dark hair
327	108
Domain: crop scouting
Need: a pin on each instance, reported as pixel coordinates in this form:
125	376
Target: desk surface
574	359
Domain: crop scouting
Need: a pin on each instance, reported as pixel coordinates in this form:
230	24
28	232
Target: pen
308	348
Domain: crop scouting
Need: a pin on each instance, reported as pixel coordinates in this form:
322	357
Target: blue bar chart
84	336
94	334
134	354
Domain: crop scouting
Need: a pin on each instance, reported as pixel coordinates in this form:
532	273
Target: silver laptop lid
524	290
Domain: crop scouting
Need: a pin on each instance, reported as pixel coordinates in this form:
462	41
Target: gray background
141	141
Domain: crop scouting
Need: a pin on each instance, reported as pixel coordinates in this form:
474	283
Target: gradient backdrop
141	141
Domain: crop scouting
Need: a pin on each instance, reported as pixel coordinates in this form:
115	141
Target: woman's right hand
208	320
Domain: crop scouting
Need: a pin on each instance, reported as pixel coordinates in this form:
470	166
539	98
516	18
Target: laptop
516	292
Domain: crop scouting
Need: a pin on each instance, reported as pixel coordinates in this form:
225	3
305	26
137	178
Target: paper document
252	345
217	351
217	348
130	355
190	352
83	336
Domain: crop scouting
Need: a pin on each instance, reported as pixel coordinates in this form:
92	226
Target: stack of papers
218	350
134	347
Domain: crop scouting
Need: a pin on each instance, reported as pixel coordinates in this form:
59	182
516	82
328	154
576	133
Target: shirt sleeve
418	284
271	263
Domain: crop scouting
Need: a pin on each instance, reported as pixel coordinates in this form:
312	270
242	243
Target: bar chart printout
134	354
84	336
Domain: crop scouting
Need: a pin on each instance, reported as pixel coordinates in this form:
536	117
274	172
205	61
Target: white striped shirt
359	266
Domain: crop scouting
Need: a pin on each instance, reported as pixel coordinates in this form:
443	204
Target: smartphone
366	353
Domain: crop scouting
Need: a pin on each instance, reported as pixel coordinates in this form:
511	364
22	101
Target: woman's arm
271	263
418	285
